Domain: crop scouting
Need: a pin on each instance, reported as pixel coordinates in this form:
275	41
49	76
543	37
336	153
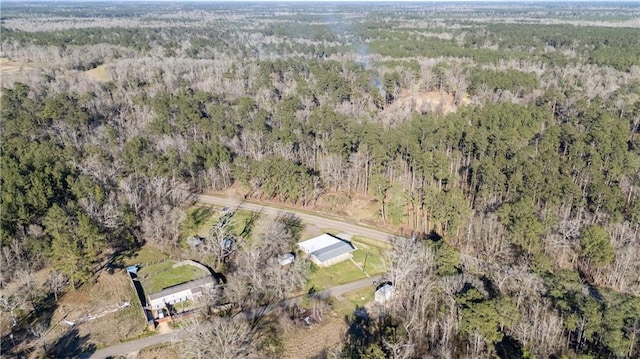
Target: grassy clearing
152	269
339	273
374	256
371	242
145	256
201	217
158	280
243	222
348	303
109	291
98	74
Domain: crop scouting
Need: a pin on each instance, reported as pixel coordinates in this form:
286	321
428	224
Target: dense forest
506	141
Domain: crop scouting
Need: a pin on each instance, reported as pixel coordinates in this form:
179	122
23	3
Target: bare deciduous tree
219	338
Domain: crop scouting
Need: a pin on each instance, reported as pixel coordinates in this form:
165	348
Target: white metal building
327	249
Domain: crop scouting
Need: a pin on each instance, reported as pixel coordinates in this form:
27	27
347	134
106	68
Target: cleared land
163	275
109	291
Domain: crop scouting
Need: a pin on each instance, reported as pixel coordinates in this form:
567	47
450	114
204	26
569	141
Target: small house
191	290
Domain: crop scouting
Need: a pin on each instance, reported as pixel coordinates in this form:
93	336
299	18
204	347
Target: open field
348	302
11	67
109	291
339	273
145	256
98	74
168	276
370	258
313	341
204	216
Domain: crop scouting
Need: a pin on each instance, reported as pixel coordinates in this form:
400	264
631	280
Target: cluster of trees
537	180
509	312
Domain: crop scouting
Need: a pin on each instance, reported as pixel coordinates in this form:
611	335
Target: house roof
195	286
319	242
332	251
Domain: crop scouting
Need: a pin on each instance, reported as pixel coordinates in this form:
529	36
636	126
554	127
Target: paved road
136	345
322	222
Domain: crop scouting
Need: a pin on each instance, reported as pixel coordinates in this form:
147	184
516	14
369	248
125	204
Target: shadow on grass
72	345
249	222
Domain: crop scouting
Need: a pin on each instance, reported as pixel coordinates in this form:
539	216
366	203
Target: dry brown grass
426	101
161	352
11	67
109	291
308	342
98	74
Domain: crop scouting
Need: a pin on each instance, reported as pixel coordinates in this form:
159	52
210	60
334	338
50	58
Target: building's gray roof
195	286
334	250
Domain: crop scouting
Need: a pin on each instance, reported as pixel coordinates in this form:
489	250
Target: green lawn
375	263
339	273
346	272
371	242
348	303
145	255
242	221
162	275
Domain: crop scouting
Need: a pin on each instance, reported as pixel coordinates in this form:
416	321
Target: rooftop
194	285
319	242
332	251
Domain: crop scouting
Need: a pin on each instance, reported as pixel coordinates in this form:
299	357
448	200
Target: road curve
322	222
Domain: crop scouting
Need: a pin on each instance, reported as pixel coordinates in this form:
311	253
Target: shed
384	293
287	259
327	249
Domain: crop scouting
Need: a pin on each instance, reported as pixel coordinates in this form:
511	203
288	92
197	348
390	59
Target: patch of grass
374	256
170	277
205	217
243	222
151	269
371	242
330	231
145	255
145	334
98	74
340	273
348	303
195	218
